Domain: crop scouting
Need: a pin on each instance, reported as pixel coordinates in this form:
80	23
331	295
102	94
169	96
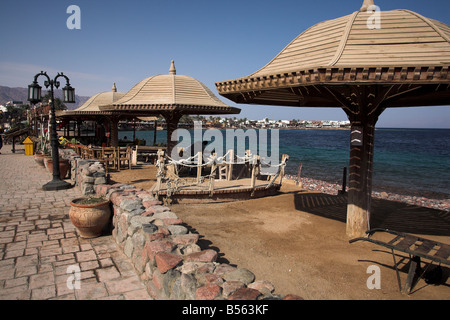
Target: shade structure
90	111
363	63
171	96
91	106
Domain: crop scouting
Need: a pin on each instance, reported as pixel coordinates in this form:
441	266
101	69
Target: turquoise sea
407	161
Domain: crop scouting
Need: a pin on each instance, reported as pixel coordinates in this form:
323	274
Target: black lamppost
34	96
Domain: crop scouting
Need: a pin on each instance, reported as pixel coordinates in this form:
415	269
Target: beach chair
417	248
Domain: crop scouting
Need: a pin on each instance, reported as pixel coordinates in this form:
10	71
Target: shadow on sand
385	214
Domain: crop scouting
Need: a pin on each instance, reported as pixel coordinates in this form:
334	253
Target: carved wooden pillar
172	119
363	105
360	176
114	131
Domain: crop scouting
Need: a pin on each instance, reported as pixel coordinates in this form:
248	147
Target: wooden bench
145	152
416	247
11	135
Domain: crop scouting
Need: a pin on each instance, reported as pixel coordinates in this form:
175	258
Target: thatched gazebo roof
408	48
363	63
170	93
91	106
171	96
90	110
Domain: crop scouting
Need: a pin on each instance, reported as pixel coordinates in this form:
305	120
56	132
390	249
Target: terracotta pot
64	166
89	219
39	158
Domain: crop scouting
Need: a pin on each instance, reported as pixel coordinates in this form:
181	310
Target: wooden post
299	182
212	177
79	122
134	155
172	119
363	106
154	133
199	166
230	165
160	172
114	131
283	158
254	167
248	168
134	130
360	178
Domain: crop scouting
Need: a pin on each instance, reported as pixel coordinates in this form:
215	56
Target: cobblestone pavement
40	250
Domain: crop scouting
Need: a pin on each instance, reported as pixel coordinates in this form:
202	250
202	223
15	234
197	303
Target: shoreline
280	128
333	189
236	128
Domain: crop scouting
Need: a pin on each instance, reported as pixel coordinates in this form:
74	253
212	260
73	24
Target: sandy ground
297	241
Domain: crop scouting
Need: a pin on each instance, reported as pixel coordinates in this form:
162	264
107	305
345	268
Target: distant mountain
21	94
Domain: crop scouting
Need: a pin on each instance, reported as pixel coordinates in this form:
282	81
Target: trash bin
28	143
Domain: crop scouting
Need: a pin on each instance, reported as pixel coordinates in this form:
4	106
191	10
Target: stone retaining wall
166	254
86	174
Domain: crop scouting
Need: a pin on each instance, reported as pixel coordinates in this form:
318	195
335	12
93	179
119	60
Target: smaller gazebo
170	96
89	111
91	106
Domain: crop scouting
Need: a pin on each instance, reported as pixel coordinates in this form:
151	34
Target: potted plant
90	215
64	166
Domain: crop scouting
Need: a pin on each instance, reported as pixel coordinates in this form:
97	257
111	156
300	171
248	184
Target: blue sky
127	41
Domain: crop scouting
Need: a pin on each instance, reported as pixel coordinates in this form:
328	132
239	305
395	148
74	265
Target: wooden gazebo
89	111
359	66
170	96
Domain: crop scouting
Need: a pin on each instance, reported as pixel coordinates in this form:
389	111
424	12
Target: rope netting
174	182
